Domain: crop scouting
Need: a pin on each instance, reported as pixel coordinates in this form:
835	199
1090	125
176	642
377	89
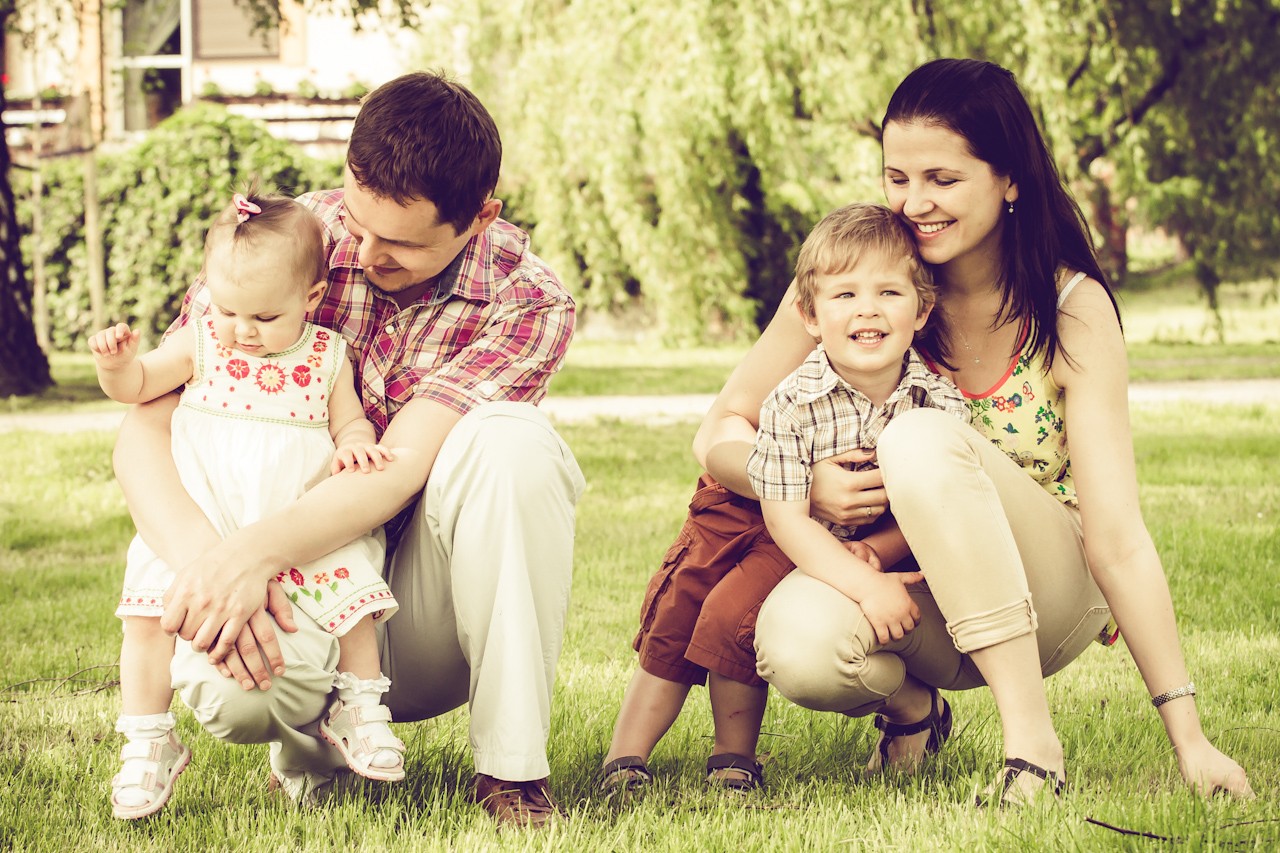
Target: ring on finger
870	512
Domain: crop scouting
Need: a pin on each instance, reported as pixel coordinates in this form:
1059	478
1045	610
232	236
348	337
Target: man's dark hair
423	136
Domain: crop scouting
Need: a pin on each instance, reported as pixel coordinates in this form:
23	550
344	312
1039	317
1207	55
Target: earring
1011	207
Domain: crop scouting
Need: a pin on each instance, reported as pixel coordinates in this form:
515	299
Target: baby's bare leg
358	651
145	655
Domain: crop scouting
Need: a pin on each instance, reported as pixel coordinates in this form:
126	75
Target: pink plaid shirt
496	327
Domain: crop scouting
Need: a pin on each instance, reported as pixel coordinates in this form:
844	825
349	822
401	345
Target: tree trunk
24	369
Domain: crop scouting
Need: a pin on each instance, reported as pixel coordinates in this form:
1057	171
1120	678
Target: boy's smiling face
867	318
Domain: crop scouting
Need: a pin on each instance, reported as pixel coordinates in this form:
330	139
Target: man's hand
212	599
888	608
844	497
360	456
258	639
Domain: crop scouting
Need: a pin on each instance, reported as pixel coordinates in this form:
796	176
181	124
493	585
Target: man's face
404	247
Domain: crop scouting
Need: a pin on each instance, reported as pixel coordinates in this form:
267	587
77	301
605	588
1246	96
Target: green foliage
156	202
673	154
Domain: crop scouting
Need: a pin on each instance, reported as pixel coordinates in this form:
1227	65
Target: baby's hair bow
244	208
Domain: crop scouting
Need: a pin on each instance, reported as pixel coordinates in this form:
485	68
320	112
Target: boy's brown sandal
625	775
751	778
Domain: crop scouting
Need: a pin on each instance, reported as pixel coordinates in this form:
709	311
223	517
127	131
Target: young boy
863	293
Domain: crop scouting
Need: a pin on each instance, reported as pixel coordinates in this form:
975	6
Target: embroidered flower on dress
302	375
321	577
297	578
341	573
322	335
315	361
238	368
270	378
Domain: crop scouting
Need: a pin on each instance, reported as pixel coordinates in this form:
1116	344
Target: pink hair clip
244	207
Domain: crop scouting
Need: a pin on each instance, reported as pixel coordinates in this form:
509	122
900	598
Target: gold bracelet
1188	689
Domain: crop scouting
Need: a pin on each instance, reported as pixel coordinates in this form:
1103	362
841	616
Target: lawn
1212	503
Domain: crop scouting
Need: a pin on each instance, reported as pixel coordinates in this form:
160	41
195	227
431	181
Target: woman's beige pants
482	576
1001	558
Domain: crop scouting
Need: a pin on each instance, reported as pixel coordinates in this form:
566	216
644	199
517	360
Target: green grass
1211	501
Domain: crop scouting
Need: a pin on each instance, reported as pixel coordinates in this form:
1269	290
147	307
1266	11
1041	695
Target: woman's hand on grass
1209	771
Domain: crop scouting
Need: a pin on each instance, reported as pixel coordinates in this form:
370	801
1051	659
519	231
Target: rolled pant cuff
982	630
511	768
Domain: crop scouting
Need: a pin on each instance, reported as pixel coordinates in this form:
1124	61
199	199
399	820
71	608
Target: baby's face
258	318
867	317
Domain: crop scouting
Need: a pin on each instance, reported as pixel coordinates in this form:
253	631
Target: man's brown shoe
515	803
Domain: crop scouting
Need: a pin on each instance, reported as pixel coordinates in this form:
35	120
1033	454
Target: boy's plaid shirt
495	328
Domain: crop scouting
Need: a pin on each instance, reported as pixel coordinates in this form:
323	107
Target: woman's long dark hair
982	103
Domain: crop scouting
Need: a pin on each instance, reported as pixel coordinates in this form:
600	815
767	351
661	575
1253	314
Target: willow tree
673	153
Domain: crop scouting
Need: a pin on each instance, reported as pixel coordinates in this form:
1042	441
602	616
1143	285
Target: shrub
156	202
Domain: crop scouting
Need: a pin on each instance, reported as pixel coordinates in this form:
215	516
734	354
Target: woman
1026	549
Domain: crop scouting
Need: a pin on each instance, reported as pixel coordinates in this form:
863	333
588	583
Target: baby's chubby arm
816	552
129	378
355	438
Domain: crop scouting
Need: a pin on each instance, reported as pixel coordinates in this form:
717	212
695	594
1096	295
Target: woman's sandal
150	766
625	775
751	778
1005	791
937	723
360	733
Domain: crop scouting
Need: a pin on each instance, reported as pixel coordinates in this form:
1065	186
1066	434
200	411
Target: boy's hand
865	553
115	347
888	608
366	457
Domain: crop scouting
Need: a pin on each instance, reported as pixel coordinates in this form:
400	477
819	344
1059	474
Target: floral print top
1024	414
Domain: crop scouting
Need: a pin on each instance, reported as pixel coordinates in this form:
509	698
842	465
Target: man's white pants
481	573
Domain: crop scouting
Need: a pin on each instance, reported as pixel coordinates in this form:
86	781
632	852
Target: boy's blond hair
282	227
844	237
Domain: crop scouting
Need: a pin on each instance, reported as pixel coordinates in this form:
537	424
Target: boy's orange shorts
700	609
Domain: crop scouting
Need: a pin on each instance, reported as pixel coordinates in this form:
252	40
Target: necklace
964	341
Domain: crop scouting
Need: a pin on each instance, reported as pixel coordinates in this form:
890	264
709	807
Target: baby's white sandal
145	781
361	734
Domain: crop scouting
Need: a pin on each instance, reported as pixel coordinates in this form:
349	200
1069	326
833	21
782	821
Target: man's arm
215	595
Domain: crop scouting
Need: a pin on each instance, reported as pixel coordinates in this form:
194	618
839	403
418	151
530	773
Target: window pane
224	30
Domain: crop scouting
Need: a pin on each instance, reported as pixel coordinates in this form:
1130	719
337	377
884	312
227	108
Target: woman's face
954	202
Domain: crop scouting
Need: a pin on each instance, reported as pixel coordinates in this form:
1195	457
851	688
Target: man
455	328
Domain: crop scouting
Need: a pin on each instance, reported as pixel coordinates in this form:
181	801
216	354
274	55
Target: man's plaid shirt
495	328
814	414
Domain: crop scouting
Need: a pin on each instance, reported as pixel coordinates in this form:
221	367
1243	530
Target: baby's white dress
249	437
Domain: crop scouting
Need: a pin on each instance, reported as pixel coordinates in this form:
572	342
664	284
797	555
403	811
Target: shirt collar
815	378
